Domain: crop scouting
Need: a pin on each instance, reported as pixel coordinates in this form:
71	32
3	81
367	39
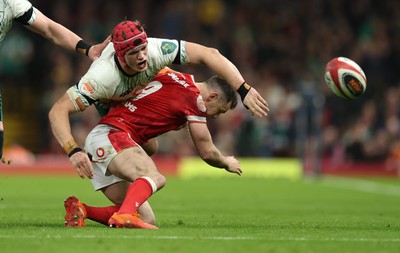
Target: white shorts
104	142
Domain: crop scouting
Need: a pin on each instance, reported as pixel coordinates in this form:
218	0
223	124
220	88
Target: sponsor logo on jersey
88	88
100	152
167	47
201	104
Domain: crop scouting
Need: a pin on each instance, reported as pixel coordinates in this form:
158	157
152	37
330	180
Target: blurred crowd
280	47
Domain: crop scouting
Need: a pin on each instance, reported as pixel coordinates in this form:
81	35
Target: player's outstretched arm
62	36
60	125
208	152
211	57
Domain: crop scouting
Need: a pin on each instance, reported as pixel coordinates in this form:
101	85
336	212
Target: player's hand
95	51
80	160
256	104
233	165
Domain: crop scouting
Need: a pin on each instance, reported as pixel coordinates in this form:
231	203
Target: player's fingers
257	112
262	100
252	110
263	105
86	170
261	110
90	171
107	40
83	170
80	173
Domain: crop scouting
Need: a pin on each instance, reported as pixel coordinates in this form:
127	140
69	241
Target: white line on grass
362	185
206	238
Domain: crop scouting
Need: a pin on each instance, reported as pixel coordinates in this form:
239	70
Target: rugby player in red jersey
123	171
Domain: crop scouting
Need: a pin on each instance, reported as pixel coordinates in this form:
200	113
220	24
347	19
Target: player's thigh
132	163
115	152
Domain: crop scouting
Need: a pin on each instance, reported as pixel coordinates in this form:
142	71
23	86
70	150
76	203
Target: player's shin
138	192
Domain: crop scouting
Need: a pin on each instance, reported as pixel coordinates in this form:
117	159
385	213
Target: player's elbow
53	113
58	110
213	51
208	55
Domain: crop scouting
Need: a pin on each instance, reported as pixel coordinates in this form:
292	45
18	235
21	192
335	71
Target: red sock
100	214
138	192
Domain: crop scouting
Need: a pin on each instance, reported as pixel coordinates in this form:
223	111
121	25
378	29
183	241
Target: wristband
69	146
83	45
74	151
243	90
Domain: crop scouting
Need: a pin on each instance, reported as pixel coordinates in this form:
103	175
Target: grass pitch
235	214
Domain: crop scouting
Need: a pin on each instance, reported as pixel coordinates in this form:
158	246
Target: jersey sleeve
195	111
23	12
164	52
95	85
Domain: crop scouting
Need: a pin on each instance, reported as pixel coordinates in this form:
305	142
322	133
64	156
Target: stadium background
280	47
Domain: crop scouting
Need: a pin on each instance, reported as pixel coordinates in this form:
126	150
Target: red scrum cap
127	35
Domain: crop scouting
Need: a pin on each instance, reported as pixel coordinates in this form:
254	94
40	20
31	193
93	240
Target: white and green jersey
105	80
14	10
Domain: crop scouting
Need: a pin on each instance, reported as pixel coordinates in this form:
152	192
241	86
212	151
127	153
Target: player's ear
213	96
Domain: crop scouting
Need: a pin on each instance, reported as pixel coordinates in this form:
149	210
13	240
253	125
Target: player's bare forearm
63	37
60	125
54	32
218	63
213	157
202	140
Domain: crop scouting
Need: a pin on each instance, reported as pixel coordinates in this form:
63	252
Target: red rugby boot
75	212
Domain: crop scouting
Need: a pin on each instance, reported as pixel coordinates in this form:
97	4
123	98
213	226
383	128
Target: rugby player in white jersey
125	67
23	12
123	171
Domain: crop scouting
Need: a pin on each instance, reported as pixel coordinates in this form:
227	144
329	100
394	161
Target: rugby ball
345	78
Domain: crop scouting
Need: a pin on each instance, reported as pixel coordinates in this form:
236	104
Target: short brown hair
228	94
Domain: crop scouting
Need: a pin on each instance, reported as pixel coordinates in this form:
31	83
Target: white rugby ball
345	78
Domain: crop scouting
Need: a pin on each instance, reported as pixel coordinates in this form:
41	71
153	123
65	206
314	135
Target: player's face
215	108
136	59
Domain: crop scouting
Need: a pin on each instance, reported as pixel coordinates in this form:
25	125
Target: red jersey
168	102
